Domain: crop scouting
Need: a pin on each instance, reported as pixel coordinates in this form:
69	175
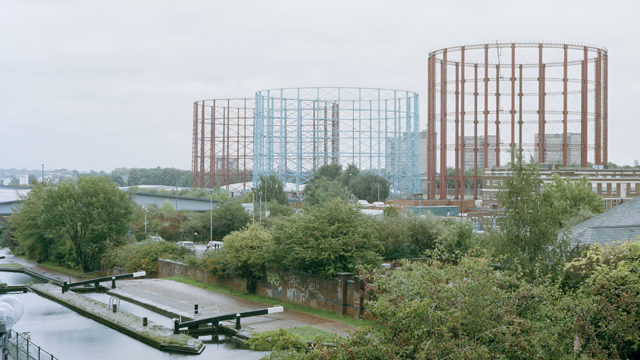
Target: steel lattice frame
547	100
300	129
222	142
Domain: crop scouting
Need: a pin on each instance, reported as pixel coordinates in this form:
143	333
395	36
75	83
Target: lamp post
176	192
145	219
353	200
211	217
11	310
260	209
253	204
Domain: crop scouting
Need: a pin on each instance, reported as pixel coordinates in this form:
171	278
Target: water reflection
69	336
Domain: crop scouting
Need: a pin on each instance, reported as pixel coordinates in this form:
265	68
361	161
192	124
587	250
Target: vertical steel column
475	131
212	145
443	126
598	110
565	141
486	107
456	174
498	115
520	112
605	110
462	113
541	140
431	138
584	113
513	100
201	179
194	149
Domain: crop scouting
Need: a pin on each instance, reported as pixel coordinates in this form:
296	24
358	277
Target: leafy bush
143	256
328	239
280	339
245	252
215	262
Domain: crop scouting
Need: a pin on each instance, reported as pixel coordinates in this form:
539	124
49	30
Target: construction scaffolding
300	129
545	100
222	151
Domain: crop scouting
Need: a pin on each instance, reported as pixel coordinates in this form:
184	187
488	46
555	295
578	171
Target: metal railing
21	348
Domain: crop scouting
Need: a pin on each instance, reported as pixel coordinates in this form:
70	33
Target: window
495	182
488	182
595	189
633	188
614	189
501	182
614	203
495	196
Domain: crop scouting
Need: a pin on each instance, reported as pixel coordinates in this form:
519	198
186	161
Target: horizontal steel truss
298	130
584	103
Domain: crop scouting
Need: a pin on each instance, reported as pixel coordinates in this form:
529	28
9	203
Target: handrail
97	281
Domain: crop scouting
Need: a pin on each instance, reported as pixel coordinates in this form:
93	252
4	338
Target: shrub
142	256
329	239
215	262
246	253
279	339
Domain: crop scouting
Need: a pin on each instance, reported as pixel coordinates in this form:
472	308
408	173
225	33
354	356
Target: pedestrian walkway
179	298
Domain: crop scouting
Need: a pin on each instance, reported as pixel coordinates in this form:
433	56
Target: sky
96	85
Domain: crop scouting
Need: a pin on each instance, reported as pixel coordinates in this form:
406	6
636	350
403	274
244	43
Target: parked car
214	245
155	238
187	244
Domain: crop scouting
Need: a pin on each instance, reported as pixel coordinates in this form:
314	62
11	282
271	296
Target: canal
70	336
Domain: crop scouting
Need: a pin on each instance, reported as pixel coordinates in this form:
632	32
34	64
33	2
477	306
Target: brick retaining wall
341	295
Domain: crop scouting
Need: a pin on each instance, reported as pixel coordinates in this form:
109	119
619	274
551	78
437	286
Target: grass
61	269
270	301
12	265
309	332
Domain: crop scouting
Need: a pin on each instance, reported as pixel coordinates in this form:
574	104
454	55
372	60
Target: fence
21	348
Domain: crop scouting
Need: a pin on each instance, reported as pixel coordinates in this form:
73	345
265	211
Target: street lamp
211	217
145	219
253	204
353	200
11	310
260	209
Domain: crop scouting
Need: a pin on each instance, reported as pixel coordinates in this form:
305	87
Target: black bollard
144	321
64	287
195	309
237	321
113	282
176	328
115	308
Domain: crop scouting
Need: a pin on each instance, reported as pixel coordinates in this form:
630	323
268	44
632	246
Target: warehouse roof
619	223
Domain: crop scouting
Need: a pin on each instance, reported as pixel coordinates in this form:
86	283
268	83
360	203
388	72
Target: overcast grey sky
103	84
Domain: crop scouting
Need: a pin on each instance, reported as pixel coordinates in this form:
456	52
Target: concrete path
179	299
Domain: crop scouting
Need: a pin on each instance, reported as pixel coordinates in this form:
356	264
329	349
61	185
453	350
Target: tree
370	186
167	206
31	237
528	236
88	214
323	191
329	239
245	251
568	197
330	172
350	173
228	217
272	189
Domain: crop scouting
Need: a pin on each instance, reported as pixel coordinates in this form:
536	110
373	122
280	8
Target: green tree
328	239
330	172
324	190
30	236
348	174
245	251
370	186
272	189
569	197
528	236
167	206
88	214
228	217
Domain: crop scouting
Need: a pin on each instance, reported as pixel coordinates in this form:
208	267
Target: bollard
144	321
195	309
176	329
115	308
64	286
113	282
237	321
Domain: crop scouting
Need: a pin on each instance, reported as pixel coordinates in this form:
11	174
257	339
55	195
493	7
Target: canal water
70	336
